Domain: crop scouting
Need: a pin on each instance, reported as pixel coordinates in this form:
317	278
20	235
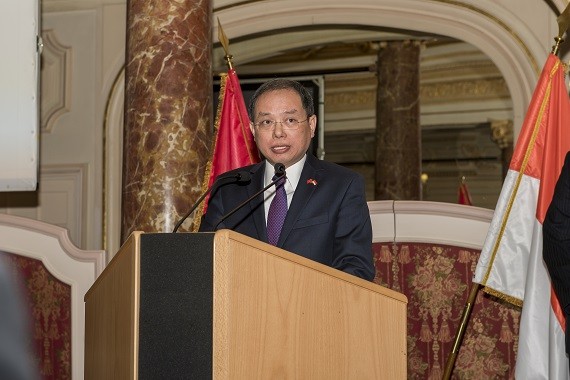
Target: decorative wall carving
502	133
453	91
464	90
55	80
350	100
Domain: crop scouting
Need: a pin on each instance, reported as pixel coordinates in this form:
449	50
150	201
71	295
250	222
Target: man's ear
313	124
252	128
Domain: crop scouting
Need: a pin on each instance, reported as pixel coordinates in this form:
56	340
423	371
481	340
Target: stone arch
511	45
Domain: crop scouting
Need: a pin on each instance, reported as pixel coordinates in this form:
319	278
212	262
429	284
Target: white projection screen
19	92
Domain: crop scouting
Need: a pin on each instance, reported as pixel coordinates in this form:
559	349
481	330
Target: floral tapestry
49	303
437	281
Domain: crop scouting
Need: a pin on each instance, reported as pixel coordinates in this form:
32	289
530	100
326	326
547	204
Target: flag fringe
502	296
529	149
206	179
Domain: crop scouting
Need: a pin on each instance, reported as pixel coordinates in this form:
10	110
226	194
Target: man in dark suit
327	219
556	242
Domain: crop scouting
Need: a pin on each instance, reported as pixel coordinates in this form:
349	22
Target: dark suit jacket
556	242
328	222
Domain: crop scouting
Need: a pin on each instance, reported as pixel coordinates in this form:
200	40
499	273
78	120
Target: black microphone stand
242	176
281	174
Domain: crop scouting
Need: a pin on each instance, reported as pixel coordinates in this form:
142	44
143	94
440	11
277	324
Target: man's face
278	143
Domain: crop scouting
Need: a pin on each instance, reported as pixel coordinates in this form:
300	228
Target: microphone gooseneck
279	173
239	177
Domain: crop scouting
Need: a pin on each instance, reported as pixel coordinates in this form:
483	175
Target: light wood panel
278	315
111	307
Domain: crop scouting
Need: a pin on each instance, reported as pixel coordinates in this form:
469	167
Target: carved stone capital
502	133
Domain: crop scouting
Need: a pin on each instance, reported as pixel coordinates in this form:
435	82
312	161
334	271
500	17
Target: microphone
223	179
279	169
279	172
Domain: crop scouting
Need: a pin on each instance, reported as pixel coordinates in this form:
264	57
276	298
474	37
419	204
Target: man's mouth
280	148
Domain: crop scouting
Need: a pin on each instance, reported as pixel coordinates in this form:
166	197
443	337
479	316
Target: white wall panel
19	95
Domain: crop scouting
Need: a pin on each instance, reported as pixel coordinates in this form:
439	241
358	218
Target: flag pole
465	316
205	182
233	144
563	24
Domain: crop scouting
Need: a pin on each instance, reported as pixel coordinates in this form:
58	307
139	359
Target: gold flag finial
225	44
563	24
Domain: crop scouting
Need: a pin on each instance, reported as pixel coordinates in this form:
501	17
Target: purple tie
277	212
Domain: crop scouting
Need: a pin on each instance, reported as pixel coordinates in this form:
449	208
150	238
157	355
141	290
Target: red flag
464	197
234	146
511	265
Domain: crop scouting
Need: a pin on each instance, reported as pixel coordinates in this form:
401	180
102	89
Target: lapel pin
312	182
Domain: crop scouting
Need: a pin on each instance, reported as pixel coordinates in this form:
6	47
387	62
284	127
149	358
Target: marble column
398	133
168	111
502	134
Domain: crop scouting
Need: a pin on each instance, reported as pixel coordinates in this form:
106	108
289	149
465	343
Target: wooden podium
226	306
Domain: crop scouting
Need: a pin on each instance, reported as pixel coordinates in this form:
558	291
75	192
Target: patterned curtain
437	280
49	303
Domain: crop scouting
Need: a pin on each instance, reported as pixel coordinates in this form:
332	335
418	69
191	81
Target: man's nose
278	130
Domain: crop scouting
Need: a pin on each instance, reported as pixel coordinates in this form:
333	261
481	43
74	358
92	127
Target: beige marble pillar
168	111
398	133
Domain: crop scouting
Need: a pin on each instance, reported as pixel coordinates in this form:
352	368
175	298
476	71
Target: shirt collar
293	173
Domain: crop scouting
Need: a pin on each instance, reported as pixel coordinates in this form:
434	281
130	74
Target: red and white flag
511	265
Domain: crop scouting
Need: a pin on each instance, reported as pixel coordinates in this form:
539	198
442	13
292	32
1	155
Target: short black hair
283	84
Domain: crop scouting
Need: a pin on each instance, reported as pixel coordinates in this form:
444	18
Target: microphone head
243	176
279	169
